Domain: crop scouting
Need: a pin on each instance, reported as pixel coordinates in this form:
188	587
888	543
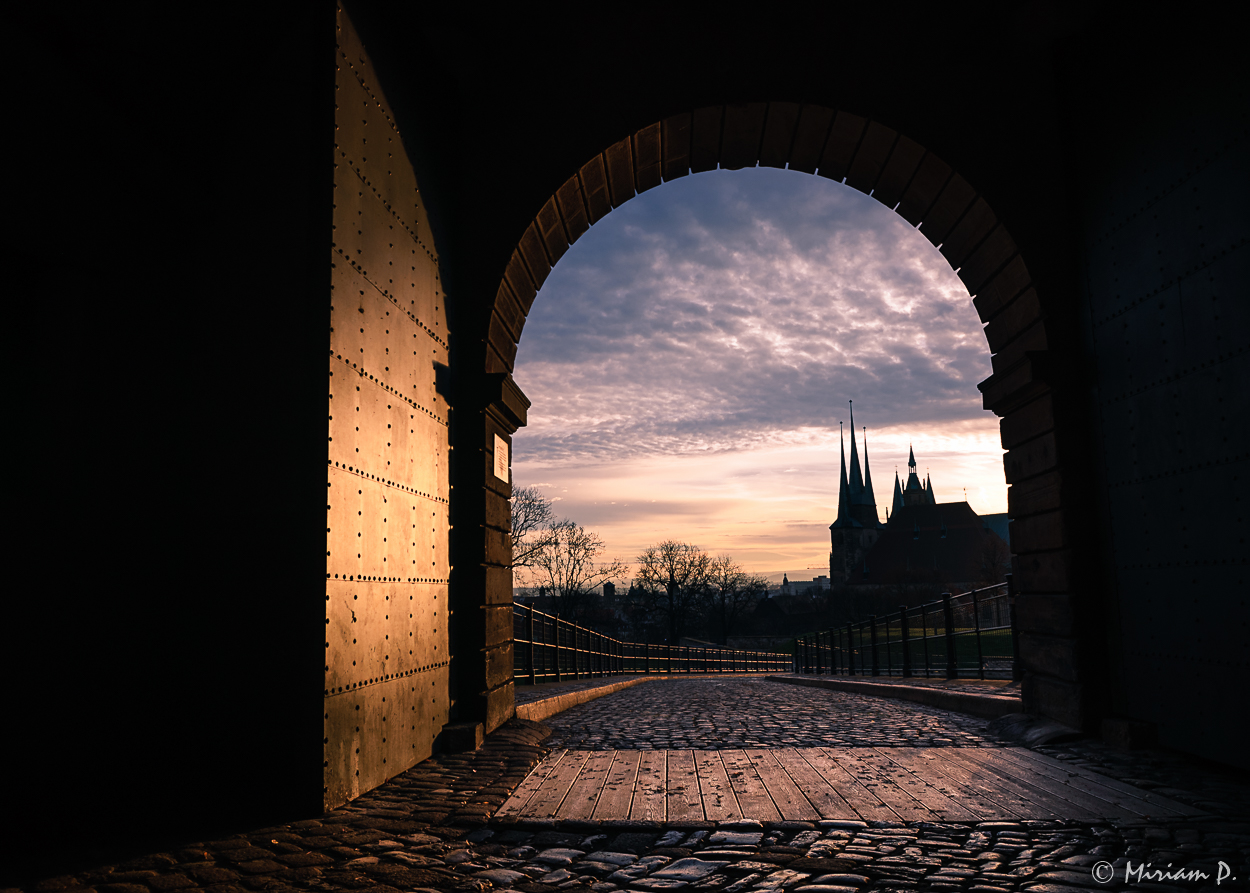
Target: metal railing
550	649
958	636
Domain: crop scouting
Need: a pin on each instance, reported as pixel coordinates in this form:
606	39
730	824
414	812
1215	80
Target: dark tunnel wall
176	201
1166	255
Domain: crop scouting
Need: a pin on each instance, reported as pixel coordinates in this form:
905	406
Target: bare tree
732	593
674	577
531	522
564	565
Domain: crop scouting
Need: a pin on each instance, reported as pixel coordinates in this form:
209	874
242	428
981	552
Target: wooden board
719	802
928	796
752	796
1146	803
683	799
1001	773
618	791
583	796
650	788
942	784
959	783
547	799
515	804
867	804
819	792
785	794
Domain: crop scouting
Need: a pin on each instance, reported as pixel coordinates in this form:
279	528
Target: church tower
916	492
857	527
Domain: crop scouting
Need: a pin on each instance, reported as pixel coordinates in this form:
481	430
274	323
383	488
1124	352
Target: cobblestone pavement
429	829
710	714
971	686
527	693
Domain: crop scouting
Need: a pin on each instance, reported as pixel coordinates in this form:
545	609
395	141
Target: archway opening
690	362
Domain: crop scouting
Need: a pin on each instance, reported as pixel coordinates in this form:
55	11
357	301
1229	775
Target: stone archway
879	161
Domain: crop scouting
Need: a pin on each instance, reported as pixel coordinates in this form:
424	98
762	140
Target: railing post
924	636
850	651
948	615
533	678
872	638
646	659
668	657
889	652
902	630
1017	668
976	620
555	628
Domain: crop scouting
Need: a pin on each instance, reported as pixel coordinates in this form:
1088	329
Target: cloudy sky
690	358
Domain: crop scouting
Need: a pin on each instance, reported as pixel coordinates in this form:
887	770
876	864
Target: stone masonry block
841	145
534	255
500	706
1051	614
647	158
1044	571
675	145
1038	533
898	171
989	256
1029	421
1032	338
783	118
1054	699
927	184
1050	655
498	624
809	138
497	585
498	665
498	546
1002	288
1032	458
620	165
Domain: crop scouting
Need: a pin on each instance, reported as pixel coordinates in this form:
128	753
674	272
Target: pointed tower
869	498
857	527
857	478
913	491
928	490
844	491
898	493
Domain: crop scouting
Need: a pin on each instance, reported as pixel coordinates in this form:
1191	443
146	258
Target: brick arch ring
877	160
865	154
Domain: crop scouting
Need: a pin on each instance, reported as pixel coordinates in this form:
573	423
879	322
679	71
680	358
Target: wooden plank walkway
944	784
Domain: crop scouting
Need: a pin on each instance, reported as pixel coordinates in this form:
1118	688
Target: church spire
911	459
928	489
857	478
869	498
844	501
898	493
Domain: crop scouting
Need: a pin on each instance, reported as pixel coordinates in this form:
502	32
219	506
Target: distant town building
922	540
797	587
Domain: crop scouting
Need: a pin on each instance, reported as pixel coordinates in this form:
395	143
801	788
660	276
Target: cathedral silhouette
922	541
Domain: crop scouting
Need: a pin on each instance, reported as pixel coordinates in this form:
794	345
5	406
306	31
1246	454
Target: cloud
728	306
725	319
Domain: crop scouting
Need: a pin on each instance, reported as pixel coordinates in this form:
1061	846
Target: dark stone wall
1166	260
174	202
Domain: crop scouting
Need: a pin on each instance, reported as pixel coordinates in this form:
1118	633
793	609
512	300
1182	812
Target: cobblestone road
430	828
709	714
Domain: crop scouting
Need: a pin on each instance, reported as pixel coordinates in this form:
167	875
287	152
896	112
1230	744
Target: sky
690	358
